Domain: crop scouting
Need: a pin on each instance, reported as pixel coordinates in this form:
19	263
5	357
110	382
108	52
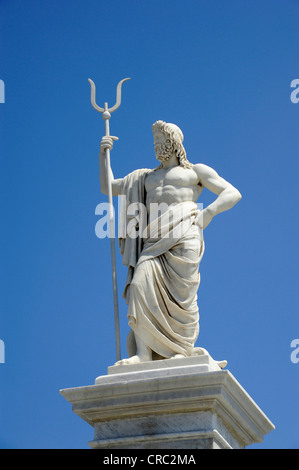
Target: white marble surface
181	407
160	368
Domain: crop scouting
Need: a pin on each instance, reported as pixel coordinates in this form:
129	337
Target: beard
162	152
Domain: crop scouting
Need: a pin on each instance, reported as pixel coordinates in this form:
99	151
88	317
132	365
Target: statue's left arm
228	195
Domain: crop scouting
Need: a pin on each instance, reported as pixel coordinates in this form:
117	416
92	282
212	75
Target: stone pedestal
187	403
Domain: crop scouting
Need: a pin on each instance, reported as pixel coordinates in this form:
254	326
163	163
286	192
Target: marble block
186	403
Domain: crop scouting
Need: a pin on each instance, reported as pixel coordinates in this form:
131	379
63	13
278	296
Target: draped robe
163	271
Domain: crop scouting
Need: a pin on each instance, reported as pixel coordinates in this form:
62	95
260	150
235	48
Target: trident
106	114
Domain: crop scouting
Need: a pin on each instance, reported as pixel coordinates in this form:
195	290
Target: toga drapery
163	270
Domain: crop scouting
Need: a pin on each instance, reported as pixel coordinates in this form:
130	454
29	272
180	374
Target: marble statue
163	260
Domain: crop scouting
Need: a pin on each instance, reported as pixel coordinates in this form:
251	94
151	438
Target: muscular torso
172	186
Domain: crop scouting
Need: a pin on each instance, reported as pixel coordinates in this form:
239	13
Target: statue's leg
143	354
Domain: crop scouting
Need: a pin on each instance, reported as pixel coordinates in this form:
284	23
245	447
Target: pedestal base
186	403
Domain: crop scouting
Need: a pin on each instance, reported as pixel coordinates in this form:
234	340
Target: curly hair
176	137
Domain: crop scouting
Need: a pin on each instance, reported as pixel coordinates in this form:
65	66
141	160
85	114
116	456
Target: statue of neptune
163	260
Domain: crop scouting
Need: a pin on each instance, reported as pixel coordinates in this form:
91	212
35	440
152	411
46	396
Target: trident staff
106	114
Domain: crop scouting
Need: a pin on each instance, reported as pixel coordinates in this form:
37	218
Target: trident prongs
118	96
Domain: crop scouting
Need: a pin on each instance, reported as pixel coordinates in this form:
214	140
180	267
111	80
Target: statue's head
170	143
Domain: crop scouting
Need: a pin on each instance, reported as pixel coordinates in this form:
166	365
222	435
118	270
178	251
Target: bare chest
176	177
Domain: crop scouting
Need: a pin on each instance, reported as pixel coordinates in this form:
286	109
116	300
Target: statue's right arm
107	142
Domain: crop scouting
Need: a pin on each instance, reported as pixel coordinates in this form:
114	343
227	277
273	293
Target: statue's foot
133	360
176	356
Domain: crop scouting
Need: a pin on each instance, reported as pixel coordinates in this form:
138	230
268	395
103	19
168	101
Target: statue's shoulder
200	166
202	169
139	172
135	177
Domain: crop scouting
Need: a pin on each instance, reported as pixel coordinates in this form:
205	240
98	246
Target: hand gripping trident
106	114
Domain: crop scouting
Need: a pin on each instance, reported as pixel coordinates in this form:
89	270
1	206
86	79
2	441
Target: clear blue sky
222	72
